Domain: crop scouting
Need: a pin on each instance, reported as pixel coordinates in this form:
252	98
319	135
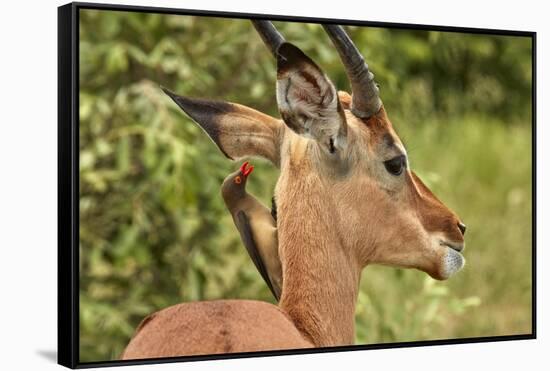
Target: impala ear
308	101
238	131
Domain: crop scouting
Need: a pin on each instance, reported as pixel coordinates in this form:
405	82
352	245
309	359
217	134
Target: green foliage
153	228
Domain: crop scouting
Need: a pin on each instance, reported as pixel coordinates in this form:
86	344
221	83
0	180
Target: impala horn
269	34
365	98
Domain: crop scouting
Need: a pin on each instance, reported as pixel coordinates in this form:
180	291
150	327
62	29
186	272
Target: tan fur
339	210
214	327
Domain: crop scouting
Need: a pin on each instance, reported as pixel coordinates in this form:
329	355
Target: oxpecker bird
257	227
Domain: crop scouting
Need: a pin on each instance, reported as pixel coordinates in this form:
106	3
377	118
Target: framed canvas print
242	185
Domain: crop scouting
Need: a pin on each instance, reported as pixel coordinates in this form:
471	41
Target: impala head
345	175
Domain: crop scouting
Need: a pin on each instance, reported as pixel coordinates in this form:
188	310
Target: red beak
246	170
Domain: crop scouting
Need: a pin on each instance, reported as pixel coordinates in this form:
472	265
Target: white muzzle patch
453	261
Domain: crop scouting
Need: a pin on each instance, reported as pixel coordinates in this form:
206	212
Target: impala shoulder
144	323
250	309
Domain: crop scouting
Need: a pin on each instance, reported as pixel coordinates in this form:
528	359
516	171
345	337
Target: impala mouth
458	247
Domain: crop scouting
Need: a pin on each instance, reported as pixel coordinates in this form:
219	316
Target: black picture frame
68	182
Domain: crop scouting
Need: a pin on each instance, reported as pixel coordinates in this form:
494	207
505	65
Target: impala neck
320	276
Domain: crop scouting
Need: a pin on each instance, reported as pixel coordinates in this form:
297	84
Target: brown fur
214	327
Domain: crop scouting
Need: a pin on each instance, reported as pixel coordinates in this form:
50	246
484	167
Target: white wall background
28	181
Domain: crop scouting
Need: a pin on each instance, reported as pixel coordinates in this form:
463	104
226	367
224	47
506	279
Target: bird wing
243	225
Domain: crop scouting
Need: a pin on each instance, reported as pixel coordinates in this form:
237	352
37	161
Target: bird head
233	187
244	172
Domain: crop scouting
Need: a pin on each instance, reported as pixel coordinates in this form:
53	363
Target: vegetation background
153	228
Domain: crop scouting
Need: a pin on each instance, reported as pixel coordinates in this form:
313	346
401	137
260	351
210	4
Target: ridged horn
269	34
365	98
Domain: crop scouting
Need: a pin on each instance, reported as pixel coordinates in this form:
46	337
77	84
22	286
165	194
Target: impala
346	198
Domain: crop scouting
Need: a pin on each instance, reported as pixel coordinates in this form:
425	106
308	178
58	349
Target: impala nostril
462	228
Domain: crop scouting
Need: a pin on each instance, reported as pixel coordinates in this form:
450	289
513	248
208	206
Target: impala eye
396	165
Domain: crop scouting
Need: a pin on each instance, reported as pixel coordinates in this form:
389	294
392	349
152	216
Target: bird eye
396	165
238	179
